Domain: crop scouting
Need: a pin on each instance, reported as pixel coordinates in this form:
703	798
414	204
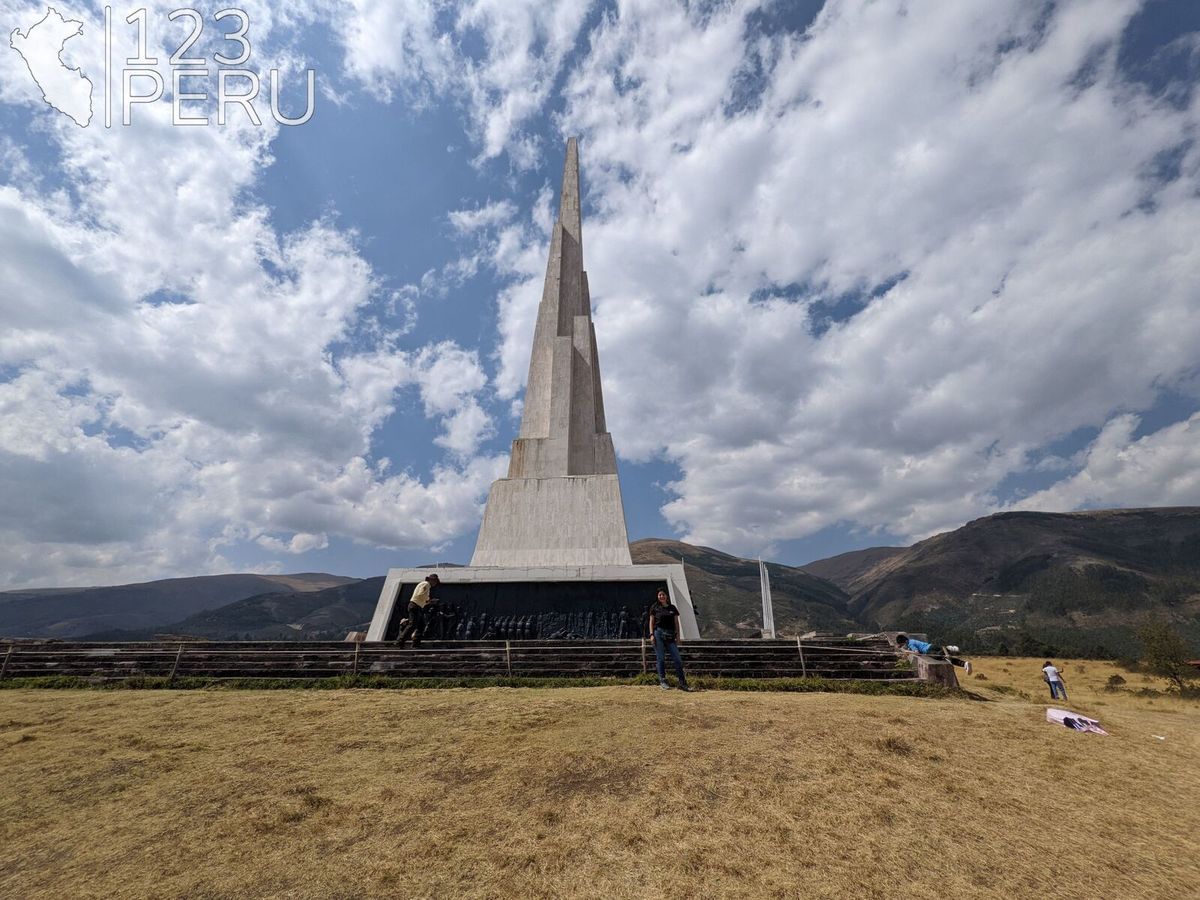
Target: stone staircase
838	658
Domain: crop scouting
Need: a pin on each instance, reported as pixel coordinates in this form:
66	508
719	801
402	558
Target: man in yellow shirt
422	596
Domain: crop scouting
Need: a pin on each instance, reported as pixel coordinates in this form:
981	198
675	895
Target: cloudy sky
862	271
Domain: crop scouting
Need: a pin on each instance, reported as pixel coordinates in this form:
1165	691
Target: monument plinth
552	558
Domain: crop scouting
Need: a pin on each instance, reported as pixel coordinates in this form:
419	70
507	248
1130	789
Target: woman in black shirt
664	629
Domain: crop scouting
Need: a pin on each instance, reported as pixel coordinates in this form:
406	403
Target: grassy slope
1023	582
551	792
845	568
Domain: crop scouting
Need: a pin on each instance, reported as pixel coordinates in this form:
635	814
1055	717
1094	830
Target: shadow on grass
382	682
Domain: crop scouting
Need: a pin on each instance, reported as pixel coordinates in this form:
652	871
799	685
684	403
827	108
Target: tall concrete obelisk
552	560
561	502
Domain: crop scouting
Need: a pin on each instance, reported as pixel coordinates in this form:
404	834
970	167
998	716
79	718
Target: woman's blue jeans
664	642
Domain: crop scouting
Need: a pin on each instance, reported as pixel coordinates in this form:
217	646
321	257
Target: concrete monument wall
554	521
392	601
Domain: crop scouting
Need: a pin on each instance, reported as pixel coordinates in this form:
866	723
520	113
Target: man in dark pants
422	596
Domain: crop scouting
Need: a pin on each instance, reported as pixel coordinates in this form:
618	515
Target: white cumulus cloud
188	378
862	274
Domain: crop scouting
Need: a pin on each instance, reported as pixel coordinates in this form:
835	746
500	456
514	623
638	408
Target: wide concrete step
837	658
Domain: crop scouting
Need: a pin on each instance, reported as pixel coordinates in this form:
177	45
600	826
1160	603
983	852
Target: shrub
1166	653
1114	683
897	745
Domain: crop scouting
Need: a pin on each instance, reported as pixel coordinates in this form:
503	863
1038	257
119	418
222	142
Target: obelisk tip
568	206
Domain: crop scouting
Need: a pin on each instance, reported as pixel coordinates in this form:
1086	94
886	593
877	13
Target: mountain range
1021	582
1077	583
725	591
75	612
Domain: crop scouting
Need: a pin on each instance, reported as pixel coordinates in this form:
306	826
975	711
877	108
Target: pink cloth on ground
1074	721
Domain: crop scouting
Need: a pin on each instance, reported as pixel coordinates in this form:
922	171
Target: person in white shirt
1053	677
422	596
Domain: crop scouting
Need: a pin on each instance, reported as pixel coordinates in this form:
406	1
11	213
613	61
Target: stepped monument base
536	602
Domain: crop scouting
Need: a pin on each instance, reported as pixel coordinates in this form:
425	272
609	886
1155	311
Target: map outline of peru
46	65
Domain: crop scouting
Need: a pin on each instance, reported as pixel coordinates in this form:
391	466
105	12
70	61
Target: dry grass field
600	792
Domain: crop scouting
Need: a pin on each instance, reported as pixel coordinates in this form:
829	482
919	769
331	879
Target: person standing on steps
422	596
1053	677
664	629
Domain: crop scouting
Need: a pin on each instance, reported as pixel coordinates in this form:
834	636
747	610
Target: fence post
508	657
175	667
357	644
803	667
4	668
643	643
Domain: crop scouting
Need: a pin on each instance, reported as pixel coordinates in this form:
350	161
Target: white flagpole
768	631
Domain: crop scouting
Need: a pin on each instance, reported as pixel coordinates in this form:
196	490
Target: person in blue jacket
935	651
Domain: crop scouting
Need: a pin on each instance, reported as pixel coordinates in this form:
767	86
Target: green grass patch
383	682
828	686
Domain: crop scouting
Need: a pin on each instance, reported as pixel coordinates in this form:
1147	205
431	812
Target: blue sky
862	272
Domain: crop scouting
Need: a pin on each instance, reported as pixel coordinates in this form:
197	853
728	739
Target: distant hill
845	568
73	612
1022	582
280	616
1069	583
725	588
